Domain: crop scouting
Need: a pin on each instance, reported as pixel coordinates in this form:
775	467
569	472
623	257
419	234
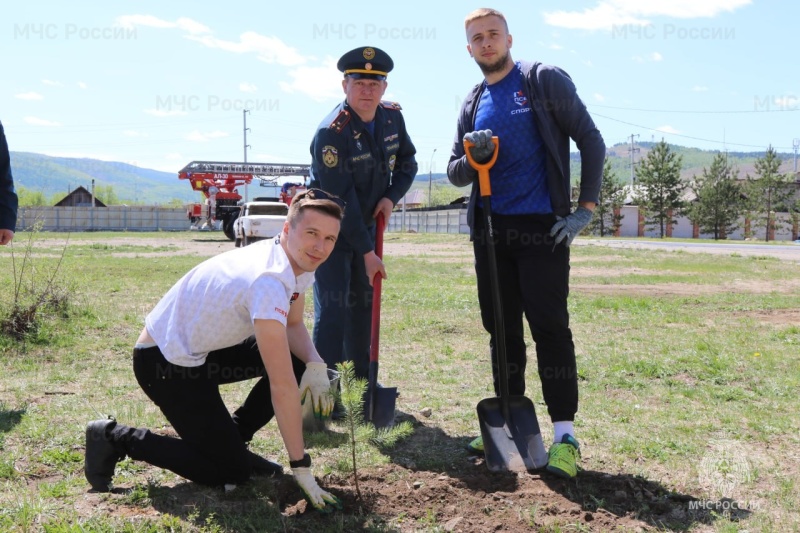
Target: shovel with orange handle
512	440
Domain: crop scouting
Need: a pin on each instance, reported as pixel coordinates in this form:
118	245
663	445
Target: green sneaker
563	458
476	446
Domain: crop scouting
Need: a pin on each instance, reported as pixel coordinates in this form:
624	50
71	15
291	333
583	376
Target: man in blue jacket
8	195
363	154
534	109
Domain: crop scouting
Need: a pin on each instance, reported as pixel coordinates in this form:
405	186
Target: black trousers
534	282
212	446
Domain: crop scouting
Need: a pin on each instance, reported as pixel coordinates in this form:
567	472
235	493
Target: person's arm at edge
8	196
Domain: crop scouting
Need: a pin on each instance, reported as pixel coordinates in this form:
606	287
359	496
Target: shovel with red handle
380	401
509	427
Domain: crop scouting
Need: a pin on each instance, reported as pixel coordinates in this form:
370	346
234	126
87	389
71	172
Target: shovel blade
379	406
512	443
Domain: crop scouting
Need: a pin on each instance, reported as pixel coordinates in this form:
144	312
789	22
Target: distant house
80	197
412	199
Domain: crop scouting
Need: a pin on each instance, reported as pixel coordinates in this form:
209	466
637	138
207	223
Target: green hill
694	160
53	175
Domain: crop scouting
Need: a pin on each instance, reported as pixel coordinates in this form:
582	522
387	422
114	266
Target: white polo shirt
215	304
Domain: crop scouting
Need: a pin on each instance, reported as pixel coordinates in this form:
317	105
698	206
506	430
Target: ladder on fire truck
218	182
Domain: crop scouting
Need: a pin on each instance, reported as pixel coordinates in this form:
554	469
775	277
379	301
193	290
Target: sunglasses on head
319	194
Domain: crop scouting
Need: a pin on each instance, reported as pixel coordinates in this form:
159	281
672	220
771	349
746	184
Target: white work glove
321	500
315	387
484	147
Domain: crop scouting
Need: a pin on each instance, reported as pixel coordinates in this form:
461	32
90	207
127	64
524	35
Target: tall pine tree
769	191
660	187
606	220
719	199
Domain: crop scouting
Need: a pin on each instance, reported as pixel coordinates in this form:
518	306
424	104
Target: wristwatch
305	462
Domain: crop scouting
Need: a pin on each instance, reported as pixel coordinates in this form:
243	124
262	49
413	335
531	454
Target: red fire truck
220	181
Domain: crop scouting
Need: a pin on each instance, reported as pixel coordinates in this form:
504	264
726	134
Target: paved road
787	252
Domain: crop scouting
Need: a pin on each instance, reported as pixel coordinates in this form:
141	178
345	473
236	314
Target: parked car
259	220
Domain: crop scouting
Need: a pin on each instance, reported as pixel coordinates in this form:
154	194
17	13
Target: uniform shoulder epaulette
340	121
391	105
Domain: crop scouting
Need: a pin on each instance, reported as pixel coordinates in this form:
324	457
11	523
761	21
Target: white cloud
655	57
149	21
267	49
82	85
165	112
599	97
601	17
319	83
247	87
133	133
52	83
192	26
608	13
555	47
29	96
34	121
667	129
197	136
173	156
699	88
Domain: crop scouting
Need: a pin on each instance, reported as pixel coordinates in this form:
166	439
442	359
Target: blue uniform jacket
8	195
361	169
560	115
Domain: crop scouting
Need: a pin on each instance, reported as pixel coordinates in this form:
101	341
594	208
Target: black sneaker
101	454
262	466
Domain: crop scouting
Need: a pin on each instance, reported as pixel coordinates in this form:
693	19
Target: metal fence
444	221
148	218
114	218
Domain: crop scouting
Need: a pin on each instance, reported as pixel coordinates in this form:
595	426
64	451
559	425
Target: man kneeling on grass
236	316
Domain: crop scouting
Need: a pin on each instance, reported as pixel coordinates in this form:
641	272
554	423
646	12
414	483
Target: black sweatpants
534	281
212	446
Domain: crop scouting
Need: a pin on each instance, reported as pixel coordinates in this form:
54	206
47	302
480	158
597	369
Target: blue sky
160	84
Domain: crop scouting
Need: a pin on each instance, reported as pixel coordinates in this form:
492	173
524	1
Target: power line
686	136
697	112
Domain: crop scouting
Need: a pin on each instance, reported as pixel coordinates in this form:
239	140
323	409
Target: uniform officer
362	153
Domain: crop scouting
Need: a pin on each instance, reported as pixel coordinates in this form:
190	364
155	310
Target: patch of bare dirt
774	317
464	496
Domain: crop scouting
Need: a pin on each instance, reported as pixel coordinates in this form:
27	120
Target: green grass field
689	367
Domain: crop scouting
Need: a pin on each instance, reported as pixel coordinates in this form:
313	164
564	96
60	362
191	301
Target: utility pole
246	146
795	145
430	181
632	150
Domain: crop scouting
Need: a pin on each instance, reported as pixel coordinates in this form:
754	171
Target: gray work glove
484	147
570	226
321	500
